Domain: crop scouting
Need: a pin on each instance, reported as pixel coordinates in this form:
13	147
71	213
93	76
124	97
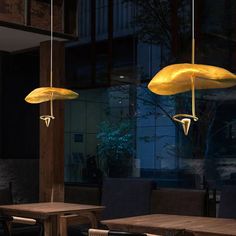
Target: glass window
119	128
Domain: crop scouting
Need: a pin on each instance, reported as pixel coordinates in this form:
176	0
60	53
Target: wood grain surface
175	224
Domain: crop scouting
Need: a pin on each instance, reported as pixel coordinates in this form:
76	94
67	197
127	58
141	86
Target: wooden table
53	214
175	225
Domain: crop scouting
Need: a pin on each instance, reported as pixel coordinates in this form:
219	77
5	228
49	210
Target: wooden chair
5	222
8	221
17	225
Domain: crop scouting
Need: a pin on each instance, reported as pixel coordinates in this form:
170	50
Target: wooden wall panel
37	14
12	11
40	15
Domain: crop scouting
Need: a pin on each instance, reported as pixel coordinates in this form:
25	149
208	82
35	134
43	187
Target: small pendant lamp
45	94
179	78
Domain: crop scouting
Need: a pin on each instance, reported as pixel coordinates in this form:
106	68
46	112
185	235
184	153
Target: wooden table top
158	223
47	208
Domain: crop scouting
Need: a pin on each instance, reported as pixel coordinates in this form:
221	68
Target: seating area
133	197
130	197
136	197
126	197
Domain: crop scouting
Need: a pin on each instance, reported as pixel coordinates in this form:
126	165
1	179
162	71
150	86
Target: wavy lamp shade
45	94
49	94
176	78
179	78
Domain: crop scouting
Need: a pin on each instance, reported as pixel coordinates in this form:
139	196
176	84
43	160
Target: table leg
51	226
63	226
47	227
81	218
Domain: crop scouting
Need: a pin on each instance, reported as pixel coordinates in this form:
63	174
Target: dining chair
124	197
6	195
227	206
101	232
8	221
5	222
177	201
16	225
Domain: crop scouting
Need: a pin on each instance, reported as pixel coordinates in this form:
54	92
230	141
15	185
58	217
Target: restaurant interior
123	117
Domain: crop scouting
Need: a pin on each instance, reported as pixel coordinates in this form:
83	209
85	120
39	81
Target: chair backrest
6	195
100	232
83	195
179	202
227	208
5	225
125	197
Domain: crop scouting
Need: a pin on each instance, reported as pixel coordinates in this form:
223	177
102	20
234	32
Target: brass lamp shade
179	78
176	78
45	94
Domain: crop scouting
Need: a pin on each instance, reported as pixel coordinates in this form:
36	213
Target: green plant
115	149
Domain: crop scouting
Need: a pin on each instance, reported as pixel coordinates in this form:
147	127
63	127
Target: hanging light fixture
45	94
178	78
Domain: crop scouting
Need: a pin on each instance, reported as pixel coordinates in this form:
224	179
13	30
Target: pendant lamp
48	94
179	78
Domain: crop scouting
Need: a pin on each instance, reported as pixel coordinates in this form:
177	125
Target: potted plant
115	148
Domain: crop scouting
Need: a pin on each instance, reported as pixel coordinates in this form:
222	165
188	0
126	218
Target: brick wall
24	175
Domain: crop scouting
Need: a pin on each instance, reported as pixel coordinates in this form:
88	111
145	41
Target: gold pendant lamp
48	94
179	78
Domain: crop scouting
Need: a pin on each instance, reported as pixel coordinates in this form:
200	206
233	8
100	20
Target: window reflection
117	98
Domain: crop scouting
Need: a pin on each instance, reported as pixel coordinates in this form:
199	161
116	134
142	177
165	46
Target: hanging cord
51	51
47	118
51	60
193	34
185	119
193	61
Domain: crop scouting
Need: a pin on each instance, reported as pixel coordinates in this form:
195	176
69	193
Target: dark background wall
20	122
19	125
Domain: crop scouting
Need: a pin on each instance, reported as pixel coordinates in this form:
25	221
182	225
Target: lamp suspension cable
185	119
47	118
183	77
50	93
51	59
193	62
192	78
193	34
51	51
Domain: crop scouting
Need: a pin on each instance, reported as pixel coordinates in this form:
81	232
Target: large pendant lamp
178	78
48	94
